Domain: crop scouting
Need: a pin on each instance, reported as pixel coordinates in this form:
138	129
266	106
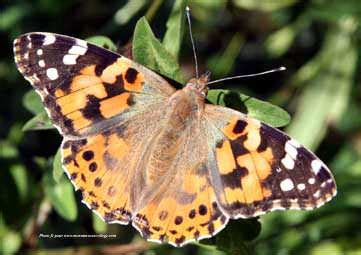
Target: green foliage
147	50
264	111
317	40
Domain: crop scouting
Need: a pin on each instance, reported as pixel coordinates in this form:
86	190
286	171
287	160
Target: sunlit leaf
98	224
147	50
57	166
261	110
20	177
103	42
10	242
326	96
264	5
123	15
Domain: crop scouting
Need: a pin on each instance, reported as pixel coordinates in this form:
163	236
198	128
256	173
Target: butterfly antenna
192	41
282	68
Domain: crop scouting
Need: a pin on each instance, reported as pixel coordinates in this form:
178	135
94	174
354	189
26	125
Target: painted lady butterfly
141	151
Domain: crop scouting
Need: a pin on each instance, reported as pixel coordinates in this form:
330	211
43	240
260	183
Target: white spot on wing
49	39
316	165
70	59
311	181
316	194
292	151
52	73
288	162
301	186
294	143
41	63
77	50
81	43
39	52
287	185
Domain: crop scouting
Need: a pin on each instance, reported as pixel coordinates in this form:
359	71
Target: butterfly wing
258	168
183	206
85	88
107	108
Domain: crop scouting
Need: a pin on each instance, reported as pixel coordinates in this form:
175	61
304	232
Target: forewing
85	88
259	168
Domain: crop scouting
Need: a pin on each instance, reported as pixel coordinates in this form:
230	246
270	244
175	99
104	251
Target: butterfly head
200	84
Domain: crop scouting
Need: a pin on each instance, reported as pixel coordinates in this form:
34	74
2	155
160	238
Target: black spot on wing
233	179
115	88
239	127
131	75
92	109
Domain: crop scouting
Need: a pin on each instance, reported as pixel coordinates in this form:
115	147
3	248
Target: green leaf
175	28
123	15
61	196
232	239
264	5
8	150
40	122
10	242
261	110
102	41
32	102
57	166
98	224
20	177
11	16
148	51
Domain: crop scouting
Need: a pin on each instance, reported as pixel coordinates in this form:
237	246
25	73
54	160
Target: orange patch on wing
136	85
253	138
78	99
84	81
268	155
78	120
251	185
262	166
88	70
119	147
109	74
234	195
114	105
99	196
225	159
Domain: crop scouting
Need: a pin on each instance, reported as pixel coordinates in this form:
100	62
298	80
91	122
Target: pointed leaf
32	102
261	110
57	166
40	122
148	51
175	28
61	196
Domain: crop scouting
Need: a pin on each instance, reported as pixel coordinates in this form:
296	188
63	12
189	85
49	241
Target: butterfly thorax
185	109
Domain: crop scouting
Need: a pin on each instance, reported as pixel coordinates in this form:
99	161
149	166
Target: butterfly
142	152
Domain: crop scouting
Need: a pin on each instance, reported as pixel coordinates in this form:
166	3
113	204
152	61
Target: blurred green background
317	40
